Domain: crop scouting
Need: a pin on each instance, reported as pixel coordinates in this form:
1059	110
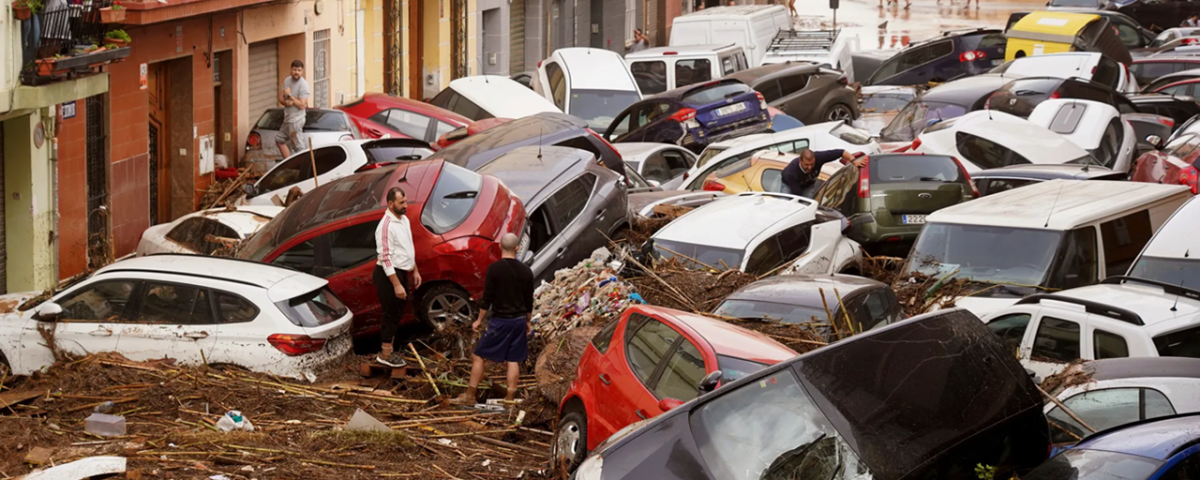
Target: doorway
99	251
223	88
170	152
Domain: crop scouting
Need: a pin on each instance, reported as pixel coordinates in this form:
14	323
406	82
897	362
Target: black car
1019	97
1132	34
1147	70
1177	108
1003	179
539	129
805	91
693	116
866	303
933	396
954	54
943	102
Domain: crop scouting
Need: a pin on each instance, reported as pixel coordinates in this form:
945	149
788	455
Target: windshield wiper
931	179
461	195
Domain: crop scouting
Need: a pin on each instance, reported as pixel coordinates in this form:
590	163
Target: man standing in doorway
395	271
800	175
508	294
640	41
293	95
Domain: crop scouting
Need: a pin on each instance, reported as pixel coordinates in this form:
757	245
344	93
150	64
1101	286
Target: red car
1175	164
456	215
379	114
453	136
648	361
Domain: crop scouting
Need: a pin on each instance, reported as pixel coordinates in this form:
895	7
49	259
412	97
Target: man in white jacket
395	271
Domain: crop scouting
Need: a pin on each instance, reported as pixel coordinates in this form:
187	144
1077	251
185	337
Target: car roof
385	101
243	219
519	100
1143	367
802	289
594	68
1151	97
967	91
734	221
1036	64
1150	302
1046	171
279	282
1030	140
1158	439
679	93
1176	238
761	140
680	50
1088	130
1168	57
638	151
748	76
1056	204
728	339
730	13
529	171
545	128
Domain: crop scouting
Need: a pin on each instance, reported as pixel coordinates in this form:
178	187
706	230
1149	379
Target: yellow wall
373	36
29	211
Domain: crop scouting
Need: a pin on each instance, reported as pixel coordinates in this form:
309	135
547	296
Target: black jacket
797	179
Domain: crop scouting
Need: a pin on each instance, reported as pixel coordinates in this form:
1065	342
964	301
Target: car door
173	320
655	169
91	318
1105	408
678	376
679	161
1056	342
798	100
409	124
1012	328
645	342
578	235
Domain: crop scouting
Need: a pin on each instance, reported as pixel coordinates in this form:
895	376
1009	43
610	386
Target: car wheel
570	442
838	112
447	304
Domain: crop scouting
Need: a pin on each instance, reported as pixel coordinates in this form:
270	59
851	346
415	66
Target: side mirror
710	382
527	258
1154	140
48	312
668	403
408	158
249	189
654	183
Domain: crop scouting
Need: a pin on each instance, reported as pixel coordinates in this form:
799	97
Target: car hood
643	203
981	307
10	303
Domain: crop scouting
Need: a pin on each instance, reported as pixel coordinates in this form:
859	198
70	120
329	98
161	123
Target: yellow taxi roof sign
1054	23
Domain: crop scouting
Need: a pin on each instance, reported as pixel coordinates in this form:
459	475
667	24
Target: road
924	19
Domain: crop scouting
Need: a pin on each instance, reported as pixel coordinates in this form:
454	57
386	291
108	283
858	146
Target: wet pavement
892	25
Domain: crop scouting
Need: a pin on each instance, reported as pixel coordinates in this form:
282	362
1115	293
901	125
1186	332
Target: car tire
838	112
6	370
570	440
445	304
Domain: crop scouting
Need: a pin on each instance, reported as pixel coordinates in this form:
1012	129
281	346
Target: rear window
314	121
707	155
1031	86
651	77
916	117
733	368
1184	343
1175	271
981	41
714	93
732	168
452	199
721	258
914	168
885	102
772	312
313	309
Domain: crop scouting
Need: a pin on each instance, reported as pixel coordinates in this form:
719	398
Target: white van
834	48
657	70
491	96
589	83
750	26
1168	257
1047	236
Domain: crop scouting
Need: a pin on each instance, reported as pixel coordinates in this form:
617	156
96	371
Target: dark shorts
504	341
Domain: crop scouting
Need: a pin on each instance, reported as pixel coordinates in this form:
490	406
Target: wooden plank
12	398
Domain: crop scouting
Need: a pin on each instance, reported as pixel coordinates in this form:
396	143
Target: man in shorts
293	95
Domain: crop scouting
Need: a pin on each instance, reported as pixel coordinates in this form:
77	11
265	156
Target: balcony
147	12
67	43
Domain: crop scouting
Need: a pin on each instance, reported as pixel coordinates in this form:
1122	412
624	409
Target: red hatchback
456	215
1175	164
648	361
379	114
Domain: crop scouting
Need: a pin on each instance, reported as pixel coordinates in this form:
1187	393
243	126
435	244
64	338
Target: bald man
508	296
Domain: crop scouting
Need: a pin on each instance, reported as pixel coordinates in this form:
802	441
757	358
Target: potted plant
118	37
113	14
24	9
47	66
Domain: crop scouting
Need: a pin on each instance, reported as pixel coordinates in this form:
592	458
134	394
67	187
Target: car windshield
710	256
781	122
1083	464
452	199
313	309
1175	271
771	311
914	168
714	93
733	368
989	254
599	107
915	117
850	135
786	437
634	179
885	102
708	154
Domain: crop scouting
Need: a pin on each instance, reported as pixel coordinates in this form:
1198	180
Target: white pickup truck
827	47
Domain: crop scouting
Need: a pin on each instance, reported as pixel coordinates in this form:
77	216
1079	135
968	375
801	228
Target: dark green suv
886	200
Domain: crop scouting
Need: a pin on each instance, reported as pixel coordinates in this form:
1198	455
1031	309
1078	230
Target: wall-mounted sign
143	72
39	135
68	110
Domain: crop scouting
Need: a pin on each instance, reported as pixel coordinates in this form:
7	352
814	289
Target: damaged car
860	302
542	129
206	232
930	397
188	308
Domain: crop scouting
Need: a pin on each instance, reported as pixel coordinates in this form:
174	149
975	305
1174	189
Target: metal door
152	150
320	73
458	39
3	242
516	37
264	77
393	47
97	183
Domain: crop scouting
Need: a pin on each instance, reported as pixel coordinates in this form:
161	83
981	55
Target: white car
1086	65
332	162
1172	34
992	139
195	310
1120	317
1124	390
491	96
880	104
191	233
1169	256
1091	125
759	233
661	164
589	83
822	136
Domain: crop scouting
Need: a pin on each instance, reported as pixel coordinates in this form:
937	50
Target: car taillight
463	245
254	141
916	143
670	53
683	115
293	345
1190	41
762	101
714	186
1055	94
972	56
605	142
1167	121
974	191
864	179
345	137
1188	176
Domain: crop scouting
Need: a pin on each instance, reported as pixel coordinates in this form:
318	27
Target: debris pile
1076	373
227	191
671	283
590	293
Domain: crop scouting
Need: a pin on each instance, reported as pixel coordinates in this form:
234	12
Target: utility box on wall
433	84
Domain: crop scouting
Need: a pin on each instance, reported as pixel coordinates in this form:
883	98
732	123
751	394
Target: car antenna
1055	203
1177	297
541	131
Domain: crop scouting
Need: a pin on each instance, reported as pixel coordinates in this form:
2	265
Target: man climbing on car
800	175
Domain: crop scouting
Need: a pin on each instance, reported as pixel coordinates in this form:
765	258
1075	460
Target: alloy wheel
567	445
447	308
839	112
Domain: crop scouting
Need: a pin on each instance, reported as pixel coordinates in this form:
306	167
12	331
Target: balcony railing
59	42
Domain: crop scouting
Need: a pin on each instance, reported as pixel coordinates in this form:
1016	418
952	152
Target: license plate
735	108
914	219
997	61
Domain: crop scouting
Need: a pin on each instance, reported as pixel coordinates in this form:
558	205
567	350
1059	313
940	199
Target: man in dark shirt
800	175
508	295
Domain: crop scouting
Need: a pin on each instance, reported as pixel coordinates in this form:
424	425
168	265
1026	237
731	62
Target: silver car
322	126
661	164
573	204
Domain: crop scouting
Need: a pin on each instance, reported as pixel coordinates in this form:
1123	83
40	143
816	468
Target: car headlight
590	468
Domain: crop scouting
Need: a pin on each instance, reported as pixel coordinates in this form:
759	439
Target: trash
233	420
39	456
104	425
445	441
520	417
219	477
105	407
81	469
363	421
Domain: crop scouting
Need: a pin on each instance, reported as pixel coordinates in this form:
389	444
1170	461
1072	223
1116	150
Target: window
1077	265
1123	239
656	169
1183	343
728	65
541	231
1188	469
989	186
452	200
792	84
677	162
681	376
877	308
1178	90
733	368
352	246
772	180
302	256
766	257
716	92
604	337
651	77
770	90
570	200
462	106
193	233
442	129
1010	329
741	60
558	85
794	240
300	168
403	121
918	168
394	149
98	302
1107	73
648	345
1107	408
1056	340
313	309
235	309
692	71
1108	345
443	98
986	154
170	304
913	57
